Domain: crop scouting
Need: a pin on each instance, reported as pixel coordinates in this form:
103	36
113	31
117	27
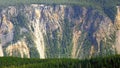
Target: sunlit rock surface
57	31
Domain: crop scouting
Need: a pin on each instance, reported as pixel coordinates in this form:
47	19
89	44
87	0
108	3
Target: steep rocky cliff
57	31
117	21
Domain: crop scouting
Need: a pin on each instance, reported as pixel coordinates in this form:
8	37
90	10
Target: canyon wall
57	31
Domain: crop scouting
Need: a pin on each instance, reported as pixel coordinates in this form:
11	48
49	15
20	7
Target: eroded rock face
18	49
43	18
76	36
118	30
6	34
1	51
57	31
